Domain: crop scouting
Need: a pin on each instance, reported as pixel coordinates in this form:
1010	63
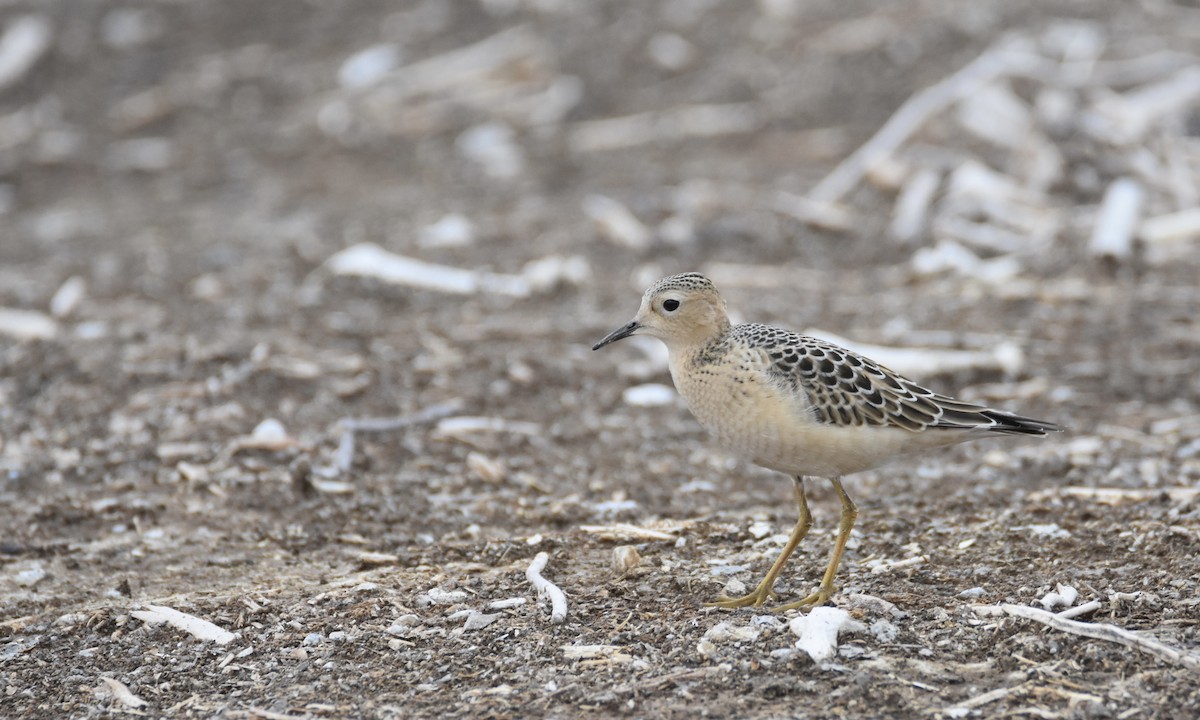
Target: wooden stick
1008	57
1102	631
545	588
1084	609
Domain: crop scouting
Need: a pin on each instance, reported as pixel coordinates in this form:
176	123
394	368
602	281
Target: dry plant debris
394	229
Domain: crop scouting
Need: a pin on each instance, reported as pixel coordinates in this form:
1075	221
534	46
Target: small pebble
30	576
368	66
759	529
494	147
452	230
446	597
735	588
625	558
477	620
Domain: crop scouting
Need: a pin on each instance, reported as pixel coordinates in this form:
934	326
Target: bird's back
805	406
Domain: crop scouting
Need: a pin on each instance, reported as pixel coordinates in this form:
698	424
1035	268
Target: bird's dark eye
671	305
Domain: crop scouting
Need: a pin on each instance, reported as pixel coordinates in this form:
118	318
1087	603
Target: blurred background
231	231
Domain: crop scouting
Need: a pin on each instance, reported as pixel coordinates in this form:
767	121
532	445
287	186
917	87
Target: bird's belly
761	425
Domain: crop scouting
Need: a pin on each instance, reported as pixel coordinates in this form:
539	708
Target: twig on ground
990	696
1084	609
1008	57
626	531
197	627
344	457
672	124
545	588
121	693
1118	496
1098	631
826	215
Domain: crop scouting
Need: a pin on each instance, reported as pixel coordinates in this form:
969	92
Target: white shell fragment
1064	596
818	631
267	435
198	628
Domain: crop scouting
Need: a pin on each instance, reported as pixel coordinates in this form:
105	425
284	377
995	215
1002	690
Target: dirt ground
196	165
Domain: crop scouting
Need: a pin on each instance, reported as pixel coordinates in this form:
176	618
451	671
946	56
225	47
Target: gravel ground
174	180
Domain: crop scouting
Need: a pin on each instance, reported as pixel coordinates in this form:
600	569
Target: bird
801	406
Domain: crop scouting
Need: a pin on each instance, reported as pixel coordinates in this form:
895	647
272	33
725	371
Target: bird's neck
701	350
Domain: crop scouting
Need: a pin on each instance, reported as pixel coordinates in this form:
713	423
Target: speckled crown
683	281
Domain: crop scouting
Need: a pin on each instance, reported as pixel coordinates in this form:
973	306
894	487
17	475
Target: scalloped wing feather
840	387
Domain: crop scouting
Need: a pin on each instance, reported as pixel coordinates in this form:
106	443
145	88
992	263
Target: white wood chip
23	43
545	588
370	260
68	296
198	628
122	694
1112	235
27	324
649	395
926	362
626	531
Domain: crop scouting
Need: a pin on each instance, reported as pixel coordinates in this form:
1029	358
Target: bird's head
681	310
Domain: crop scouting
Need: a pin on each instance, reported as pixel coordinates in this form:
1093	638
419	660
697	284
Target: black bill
621	332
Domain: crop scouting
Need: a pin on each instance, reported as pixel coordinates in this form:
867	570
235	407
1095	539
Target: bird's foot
816	599
761	594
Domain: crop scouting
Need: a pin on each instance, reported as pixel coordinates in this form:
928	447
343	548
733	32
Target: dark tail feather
1016	425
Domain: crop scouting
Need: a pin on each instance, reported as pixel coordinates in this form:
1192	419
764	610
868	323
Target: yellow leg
764	591
823	593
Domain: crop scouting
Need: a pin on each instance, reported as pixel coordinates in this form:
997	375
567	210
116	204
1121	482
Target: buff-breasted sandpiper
799	405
